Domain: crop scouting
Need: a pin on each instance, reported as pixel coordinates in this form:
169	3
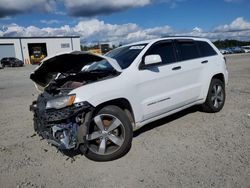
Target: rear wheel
216	97
109	135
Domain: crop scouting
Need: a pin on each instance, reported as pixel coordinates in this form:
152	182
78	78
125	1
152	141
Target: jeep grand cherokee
94	103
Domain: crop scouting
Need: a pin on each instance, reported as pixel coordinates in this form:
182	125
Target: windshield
126	55
102	65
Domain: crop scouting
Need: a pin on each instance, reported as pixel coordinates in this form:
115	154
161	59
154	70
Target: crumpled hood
71	62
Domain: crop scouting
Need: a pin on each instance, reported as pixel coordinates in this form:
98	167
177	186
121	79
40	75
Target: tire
109	135
216	97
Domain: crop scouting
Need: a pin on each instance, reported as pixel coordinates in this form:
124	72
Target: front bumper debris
63	128
57	115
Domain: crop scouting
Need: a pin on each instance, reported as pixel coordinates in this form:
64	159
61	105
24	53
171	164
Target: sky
125	21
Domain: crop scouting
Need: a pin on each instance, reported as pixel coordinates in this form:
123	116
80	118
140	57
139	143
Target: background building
34	49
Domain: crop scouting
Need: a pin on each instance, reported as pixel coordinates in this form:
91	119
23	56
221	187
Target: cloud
94	30
77	8
50	22
173	3
233	1
6	18
97	7
239	24
13	7
91	31
88	8
197	30
62	13
238	29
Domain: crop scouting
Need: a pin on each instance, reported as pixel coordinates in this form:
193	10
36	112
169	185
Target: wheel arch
219	76
122	103
208	105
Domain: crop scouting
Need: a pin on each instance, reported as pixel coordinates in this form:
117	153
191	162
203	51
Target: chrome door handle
176	68
203	62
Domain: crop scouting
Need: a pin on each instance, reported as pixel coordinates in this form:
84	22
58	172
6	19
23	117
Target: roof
166	38
49	37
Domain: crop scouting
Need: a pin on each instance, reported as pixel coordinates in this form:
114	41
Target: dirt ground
188	149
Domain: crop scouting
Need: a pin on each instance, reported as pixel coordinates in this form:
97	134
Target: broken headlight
60	102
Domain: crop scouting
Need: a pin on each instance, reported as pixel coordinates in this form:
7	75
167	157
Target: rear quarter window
205	49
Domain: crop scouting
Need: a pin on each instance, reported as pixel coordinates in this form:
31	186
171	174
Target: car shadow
71	154
165	120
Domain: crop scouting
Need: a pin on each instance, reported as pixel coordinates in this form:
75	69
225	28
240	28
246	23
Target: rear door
208	60
191	73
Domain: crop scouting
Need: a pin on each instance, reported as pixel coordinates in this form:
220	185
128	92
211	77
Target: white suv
94	103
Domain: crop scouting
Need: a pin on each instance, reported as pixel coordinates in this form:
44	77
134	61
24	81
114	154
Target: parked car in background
246	49
237	50
224	51
229	50
1	67
11	62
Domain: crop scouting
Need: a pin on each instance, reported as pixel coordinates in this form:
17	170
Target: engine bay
67	82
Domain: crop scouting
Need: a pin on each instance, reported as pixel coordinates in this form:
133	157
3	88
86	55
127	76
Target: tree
230	43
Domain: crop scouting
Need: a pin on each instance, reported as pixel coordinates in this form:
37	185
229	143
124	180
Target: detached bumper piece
64	136
59	127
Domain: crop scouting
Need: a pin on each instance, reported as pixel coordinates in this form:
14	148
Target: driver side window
165	50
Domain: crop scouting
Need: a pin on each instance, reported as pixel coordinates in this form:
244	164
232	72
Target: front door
167	85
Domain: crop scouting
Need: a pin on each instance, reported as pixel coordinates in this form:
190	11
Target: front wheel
109	135
216	97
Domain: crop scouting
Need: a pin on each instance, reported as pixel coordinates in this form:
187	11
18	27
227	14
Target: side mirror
152	59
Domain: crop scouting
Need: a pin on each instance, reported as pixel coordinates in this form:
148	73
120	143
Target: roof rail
170	36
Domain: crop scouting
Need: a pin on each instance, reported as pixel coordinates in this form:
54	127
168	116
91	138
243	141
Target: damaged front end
64	128
57	117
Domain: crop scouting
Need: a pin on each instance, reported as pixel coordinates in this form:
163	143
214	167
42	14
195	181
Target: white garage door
7	50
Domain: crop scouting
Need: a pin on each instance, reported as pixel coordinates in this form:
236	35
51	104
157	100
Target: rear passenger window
165	50
205	49
187	50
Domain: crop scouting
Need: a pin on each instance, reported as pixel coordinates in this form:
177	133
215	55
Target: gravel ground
188	149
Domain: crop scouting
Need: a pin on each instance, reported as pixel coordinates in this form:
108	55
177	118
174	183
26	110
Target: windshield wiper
101	71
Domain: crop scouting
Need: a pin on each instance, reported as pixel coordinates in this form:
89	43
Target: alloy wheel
106	134
217	96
